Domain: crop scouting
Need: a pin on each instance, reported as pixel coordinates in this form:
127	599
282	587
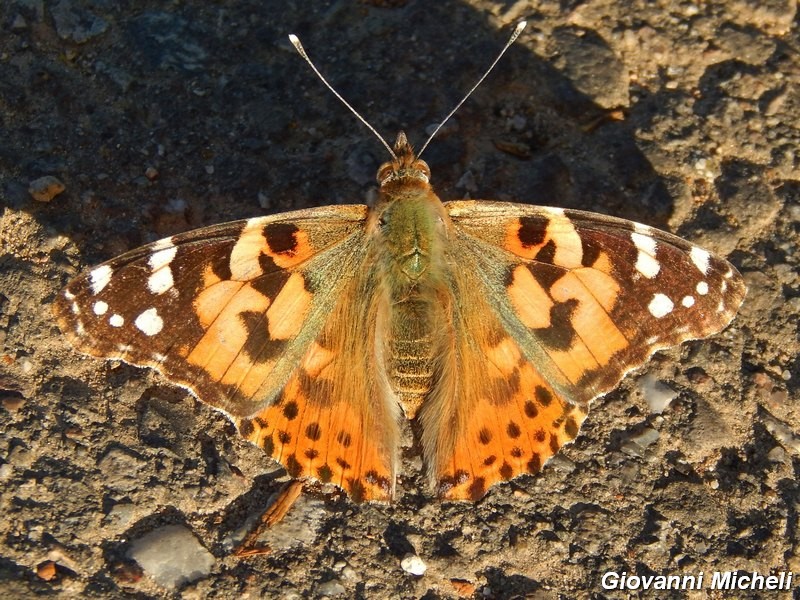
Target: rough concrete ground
161	117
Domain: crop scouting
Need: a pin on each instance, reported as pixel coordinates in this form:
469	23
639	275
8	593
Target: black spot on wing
545	274
543	395
560	335
532	230
477	489
293	466
316	389
281	237
221	265
271	282
258	345
290	410
325	473
268	445
590	252
484	436
534	464
547	253
571	427
530	410
357	490
313	431
246	428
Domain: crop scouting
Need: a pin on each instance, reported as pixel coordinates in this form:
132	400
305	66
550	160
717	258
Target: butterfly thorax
410	228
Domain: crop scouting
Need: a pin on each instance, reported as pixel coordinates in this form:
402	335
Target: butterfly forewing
227	311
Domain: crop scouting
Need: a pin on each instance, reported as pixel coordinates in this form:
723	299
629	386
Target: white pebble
658	395
172	556
413	564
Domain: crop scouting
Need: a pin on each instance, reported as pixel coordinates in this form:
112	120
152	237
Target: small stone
76	24
151	173
637	444
464	588
658	395
413	564
44	189
12	401
19	23
331	588
120	470
172	556
46	570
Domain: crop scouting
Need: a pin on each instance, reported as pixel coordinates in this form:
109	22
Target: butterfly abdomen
412	351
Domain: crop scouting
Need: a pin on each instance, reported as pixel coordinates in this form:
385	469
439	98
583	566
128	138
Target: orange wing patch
511	420
329	442
507	437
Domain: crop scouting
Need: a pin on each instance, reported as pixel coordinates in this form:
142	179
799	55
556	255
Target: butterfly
491	325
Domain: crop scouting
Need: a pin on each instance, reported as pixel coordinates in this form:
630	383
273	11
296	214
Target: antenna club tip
521	25
293	38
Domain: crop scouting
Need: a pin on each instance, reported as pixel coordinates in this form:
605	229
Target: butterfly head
405	167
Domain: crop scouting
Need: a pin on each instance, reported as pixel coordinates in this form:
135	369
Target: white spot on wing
149	323
100	308
160	281
700	258
69	295
688	301
100	277
76	310
116	320
163	244
660	306
646	262
702	288
162	258
554	210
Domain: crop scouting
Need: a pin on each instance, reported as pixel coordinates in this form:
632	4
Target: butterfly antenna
302	52
517	30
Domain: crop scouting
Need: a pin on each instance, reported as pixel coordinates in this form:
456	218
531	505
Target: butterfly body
492	324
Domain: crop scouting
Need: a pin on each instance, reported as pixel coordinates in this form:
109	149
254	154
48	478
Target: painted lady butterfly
491	324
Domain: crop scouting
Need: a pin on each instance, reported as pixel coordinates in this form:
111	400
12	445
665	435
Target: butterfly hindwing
501	417
337	419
